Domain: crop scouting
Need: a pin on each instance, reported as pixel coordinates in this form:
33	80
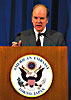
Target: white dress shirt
41	37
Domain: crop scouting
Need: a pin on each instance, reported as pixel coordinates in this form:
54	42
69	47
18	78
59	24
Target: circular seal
31	76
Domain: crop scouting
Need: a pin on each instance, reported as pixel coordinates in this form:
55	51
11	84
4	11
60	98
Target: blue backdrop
15	16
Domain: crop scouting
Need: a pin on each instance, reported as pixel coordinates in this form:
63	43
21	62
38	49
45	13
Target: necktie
38	43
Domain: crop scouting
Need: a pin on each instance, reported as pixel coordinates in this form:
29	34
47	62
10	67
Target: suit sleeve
61	41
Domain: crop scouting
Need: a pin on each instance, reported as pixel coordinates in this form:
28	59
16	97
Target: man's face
39	18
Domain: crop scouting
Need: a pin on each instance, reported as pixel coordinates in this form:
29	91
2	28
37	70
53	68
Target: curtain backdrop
15	16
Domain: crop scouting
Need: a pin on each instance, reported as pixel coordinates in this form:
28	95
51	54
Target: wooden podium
57	58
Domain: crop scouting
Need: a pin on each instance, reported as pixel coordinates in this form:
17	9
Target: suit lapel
48	41
32	39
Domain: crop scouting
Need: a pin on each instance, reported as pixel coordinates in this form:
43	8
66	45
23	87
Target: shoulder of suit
53	32
25	32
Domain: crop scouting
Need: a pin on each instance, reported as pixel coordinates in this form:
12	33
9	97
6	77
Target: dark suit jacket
52	38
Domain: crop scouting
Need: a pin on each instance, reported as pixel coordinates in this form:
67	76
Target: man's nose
38	20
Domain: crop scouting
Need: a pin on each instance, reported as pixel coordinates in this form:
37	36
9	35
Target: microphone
10	42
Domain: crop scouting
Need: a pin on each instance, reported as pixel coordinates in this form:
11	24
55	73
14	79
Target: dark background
15	16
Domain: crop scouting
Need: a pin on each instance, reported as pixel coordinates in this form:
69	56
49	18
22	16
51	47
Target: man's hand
14	44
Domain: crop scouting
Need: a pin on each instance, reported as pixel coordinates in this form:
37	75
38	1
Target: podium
57	58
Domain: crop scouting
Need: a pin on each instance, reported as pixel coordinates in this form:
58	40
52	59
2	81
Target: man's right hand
14	44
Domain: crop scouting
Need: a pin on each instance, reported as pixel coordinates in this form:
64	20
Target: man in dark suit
39	35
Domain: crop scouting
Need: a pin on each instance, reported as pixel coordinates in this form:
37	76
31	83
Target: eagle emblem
31	76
